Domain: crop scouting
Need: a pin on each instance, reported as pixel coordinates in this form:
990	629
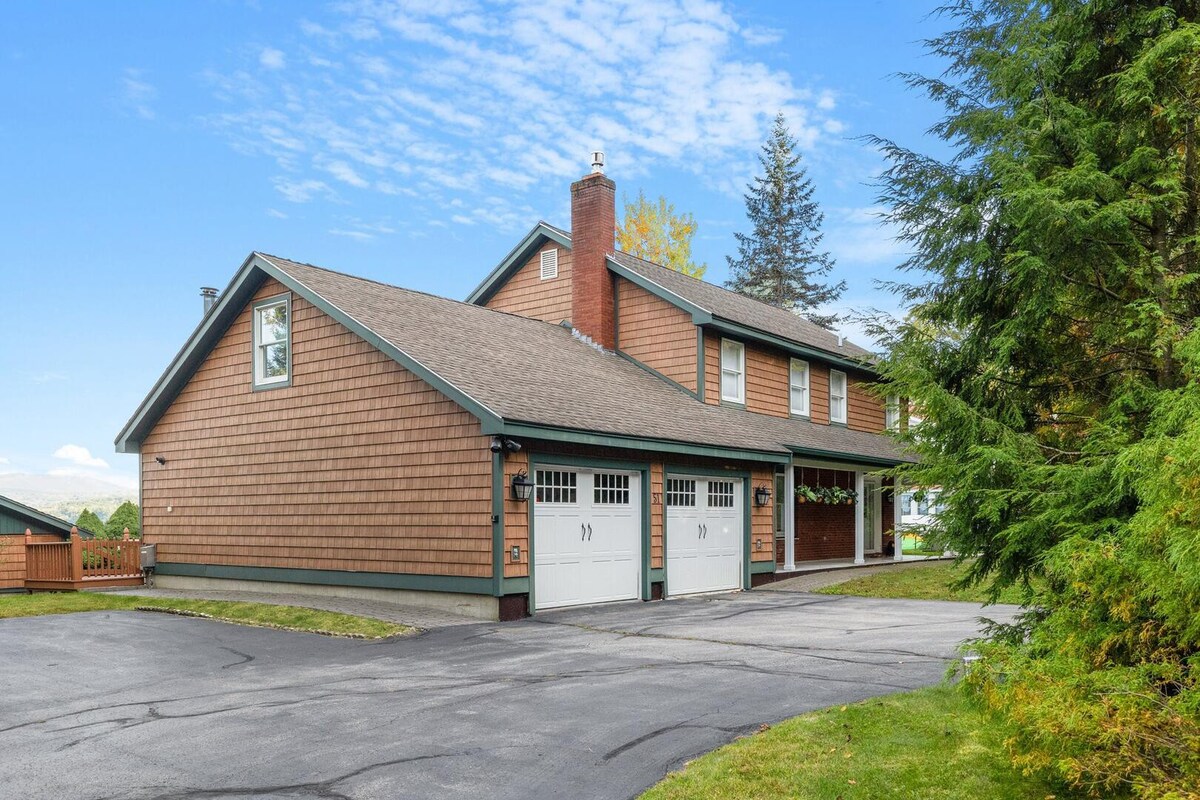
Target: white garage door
704	534
587	528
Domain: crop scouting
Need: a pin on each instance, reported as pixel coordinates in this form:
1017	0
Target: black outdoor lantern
522	487
762	496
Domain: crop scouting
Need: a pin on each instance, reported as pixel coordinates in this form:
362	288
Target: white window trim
805	408
891	412
261	381
548	264
845	404
740	372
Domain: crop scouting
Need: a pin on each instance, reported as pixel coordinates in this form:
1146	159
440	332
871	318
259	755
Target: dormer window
733	371
549	264
837	396
273	342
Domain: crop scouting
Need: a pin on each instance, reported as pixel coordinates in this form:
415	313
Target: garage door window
681	492
611	489
720	494
555	487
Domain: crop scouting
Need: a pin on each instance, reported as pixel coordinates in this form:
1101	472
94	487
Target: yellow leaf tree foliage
654	231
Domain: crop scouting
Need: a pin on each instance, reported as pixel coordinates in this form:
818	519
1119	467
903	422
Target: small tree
126	516
654	231
780	261
88	521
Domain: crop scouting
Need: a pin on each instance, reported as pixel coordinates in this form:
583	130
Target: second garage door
704	534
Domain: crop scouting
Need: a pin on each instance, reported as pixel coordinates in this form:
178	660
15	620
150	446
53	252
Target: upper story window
799	384
837	396
891	413
273	342
549	264
733	371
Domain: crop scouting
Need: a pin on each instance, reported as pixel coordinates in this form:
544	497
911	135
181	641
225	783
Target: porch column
789	518
897	537
859	521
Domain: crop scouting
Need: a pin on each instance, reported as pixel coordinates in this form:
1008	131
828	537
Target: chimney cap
208	291
597	162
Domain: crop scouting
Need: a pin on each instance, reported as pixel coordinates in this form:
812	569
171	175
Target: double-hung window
273	342
733	371
837	396
892	413
799	387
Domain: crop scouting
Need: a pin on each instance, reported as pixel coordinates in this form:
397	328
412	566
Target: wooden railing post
76	555
125	535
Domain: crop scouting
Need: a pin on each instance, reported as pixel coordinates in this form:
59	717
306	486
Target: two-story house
587	427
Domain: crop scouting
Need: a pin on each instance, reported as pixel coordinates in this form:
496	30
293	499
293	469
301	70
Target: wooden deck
82	564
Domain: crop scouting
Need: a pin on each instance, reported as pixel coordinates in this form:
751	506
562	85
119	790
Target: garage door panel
704	534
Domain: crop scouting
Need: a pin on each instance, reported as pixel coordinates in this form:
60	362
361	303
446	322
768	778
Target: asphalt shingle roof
529	371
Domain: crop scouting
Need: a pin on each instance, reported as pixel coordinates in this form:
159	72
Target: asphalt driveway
589	703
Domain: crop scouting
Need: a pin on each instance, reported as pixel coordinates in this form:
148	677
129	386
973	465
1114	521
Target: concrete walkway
415	616
811	581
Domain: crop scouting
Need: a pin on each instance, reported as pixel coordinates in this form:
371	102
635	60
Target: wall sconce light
762	496
522	487
502	444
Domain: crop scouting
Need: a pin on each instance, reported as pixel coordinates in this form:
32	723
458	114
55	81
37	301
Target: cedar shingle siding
358	465
656	333
525	293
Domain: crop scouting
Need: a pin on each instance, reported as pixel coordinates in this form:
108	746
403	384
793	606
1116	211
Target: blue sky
148	147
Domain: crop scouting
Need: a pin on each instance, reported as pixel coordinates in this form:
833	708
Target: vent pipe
209	294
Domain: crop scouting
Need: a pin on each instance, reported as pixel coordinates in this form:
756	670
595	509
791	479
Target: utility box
149	556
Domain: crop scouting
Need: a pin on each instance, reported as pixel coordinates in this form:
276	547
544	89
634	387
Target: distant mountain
65	496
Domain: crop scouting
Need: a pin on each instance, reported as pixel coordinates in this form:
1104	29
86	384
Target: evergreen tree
654	231
89	522
126	516
780	261
1054	354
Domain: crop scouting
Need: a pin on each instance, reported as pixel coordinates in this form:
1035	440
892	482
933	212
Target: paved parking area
589	703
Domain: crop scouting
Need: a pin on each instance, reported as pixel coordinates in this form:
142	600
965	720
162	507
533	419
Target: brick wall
593	228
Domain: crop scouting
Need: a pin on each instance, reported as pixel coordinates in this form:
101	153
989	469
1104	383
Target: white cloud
271	58
452	99
137	94
276	213
361	236
4	460
80	456
862	236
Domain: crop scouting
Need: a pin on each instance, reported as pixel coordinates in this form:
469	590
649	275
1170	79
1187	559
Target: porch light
522	487
762	496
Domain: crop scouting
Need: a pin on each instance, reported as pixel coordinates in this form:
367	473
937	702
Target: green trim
515	259
32	516
700	376
586	462
657	374
710	472
795	348
660	576
847	458
516	586
255	386
616	296
329	577
498	523
546	433
700	316
759	567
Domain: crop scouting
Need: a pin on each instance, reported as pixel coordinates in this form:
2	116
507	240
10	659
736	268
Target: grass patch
930	744
292	618
924	582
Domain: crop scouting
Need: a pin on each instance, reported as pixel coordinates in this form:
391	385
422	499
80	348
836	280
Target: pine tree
780	261
126	516
654	231
88	521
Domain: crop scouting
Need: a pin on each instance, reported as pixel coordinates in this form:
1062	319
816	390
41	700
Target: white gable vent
549	264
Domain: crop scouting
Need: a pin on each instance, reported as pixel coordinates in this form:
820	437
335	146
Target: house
15	519
587	427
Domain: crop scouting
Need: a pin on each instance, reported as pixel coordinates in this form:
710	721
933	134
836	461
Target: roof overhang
598	438
516	258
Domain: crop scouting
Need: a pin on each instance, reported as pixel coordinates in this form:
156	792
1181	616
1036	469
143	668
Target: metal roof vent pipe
209	294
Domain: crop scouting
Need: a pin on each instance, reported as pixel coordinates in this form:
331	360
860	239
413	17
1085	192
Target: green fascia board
658	575
241	289
852	458
330	577
516	258
700	316
793	348
658	374
516	585
535	431
759	567
32	515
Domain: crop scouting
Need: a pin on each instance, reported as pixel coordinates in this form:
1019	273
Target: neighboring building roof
512	372
709	304
40	521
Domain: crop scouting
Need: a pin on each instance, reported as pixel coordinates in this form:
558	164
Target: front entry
587	536
704	534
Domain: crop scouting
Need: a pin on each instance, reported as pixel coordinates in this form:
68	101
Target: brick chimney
593	228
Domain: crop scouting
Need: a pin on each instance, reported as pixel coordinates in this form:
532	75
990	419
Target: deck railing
81	563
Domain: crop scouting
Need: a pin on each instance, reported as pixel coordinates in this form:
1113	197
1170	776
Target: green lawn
260	614
929	744
923	582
